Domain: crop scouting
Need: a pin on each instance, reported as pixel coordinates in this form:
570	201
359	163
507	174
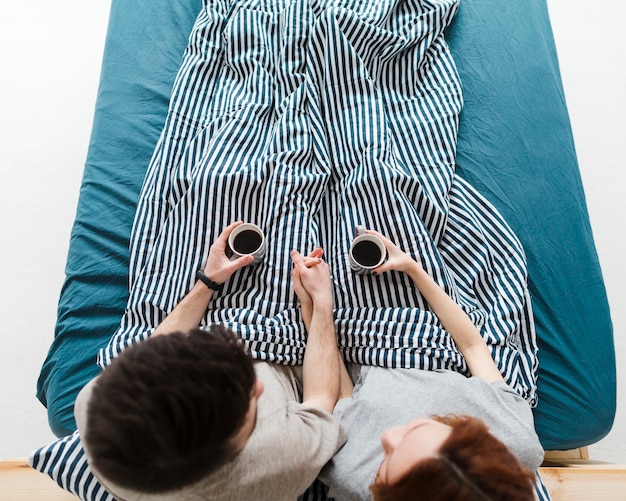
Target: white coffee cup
247	239
366	252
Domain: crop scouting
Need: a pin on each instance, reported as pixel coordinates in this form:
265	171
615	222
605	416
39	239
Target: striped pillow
64	460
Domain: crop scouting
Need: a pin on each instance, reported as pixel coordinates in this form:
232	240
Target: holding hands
324	376
311	278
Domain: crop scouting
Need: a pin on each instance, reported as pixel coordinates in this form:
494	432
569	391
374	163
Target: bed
514	153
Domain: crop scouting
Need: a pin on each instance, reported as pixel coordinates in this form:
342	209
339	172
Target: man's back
287	449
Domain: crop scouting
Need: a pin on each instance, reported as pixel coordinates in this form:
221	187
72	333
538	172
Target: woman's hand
397	259
219	267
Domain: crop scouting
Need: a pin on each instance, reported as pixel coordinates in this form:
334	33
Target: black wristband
208	282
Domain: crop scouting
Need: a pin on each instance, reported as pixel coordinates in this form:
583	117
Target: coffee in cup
366	253
247	239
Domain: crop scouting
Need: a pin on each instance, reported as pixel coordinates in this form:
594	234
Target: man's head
172	409
449	458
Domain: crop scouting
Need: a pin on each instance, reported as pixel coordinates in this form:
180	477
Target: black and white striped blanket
308	118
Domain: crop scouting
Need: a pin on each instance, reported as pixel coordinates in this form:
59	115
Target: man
187	415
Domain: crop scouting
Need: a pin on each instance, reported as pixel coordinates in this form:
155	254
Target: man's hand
189	311
219	267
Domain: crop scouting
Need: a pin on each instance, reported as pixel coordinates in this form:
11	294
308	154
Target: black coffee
247	242
366	253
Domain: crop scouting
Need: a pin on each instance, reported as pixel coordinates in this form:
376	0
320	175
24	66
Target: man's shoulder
282	457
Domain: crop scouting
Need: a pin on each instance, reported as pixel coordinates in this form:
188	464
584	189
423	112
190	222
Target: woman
474	439
449	458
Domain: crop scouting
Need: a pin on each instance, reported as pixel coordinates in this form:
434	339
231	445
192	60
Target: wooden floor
19	482
567	478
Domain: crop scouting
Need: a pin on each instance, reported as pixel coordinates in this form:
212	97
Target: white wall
50	55
591	44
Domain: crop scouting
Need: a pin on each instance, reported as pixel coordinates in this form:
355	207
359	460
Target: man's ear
259	387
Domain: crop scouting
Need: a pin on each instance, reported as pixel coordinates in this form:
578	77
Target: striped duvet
308	118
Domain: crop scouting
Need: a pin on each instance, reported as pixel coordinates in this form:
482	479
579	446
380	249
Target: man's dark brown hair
161	415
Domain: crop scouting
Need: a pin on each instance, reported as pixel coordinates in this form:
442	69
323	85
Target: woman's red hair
471	465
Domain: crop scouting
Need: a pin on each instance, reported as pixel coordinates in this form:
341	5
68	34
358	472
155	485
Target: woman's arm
465	334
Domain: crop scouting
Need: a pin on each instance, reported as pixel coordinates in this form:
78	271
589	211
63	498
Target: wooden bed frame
569	476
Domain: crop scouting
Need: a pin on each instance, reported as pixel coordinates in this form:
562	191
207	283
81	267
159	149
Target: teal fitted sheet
515	147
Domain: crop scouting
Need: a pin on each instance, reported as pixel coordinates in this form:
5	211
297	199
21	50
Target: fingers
297	279
314	258
221	242
232	226
382	268
297	258
306	265
317	252
295	272
227	231
242	261
385	240
298	288
311	260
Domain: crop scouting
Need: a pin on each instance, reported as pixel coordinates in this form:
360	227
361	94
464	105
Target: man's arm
321	368
188	313
465	334
346	386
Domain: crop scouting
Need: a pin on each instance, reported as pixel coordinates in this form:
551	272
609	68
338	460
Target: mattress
514	147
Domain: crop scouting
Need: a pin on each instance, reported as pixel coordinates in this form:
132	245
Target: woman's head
449	458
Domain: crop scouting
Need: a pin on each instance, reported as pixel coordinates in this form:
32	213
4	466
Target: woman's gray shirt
384	398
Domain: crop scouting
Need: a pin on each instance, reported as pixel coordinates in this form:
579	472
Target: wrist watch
208	282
